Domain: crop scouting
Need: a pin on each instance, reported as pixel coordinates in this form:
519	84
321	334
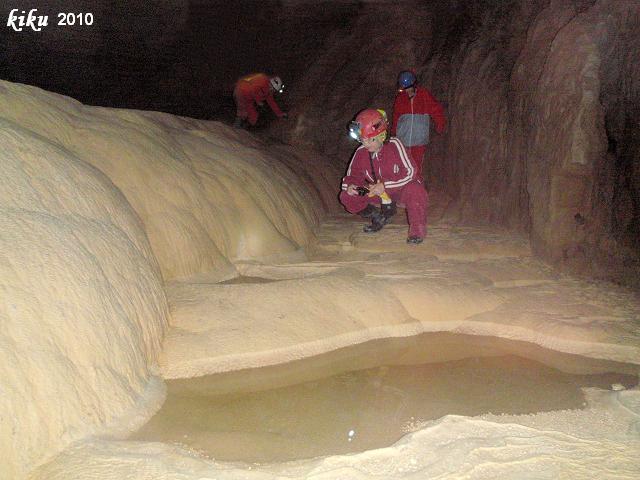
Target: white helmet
276	84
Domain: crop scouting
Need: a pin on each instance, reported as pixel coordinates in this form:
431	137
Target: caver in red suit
413	111
392	166
252	90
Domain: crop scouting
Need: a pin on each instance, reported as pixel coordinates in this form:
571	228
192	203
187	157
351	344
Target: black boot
378	220
389	210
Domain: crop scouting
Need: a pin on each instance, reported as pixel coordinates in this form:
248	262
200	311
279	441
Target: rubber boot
389	210
378	220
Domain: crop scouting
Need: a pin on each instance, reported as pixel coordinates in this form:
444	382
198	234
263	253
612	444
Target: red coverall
404	108
393	167
251	90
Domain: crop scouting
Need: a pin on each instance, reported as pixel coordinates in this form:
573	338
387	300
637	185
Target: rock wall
541	95
542	103
566	142
118	60
612	236
177	56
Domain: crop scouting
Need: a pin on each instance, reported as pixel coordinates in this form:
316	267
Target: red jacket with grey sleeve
412	116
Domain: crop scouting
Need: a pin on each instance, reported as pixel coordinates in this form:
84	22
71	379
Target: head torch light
354	131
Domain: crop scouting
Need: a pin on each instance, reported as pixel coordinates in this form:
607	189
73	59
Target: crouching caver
252	90
380	175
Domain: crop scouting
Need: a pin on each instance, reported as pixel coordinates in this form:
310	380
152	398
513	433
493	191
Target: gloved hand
376	189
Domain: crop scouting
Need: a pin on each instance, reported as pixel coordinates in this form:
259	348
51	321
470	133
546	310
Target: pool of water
271	415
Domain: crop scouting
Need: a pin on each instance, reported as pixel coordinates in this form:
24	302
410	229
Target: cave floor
351	287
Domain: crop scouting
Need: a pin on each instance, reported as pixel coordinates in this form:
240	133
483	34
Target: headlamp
354	131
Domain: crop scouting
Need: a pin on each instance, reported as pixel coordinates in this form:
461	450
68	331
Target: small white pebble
351	434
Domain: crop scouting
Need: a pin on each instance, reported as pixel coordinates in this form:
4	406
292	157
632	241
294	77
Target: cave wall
175	56
613	235
120	60
541	95
574	175
542	105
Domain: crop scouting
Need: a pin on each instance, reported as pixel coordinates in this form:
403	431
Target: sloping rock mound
204	198
83	310
98	208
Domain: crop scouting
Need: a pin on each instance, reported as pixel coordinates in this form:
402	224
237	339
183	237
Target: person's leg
252	113
241	109
415	198
389	210
417	155
366	207
354	203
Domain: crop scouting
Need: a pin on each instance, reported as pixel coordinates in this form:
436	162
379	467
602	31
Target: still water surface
359	410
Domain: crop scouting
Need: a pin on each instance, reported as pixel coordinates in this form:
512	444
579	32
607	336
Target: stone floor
352	287
349	288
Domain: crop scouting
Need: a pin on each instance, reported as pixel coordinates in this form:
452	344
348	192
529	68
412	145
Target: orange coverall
253	90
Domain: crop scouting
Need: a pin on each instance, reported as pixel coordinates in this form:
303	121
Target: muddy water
269	415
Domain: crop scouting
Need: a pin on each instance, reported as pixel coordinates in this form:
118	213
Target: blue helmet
406	79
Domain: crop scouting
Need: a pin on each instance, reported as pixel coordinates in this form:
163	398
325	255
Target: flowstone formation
100	208
83	308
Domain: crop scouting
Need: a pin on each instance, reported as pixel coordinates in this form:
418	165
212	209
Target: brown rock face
542	96
569	154
542	103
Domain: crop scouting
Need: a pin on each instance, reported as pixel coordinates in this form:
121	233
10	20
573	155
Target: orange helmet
371	123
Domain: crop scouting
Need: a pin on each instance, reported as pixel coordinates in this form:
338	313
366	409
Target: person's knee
415	189
352	204
345	200
414	195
